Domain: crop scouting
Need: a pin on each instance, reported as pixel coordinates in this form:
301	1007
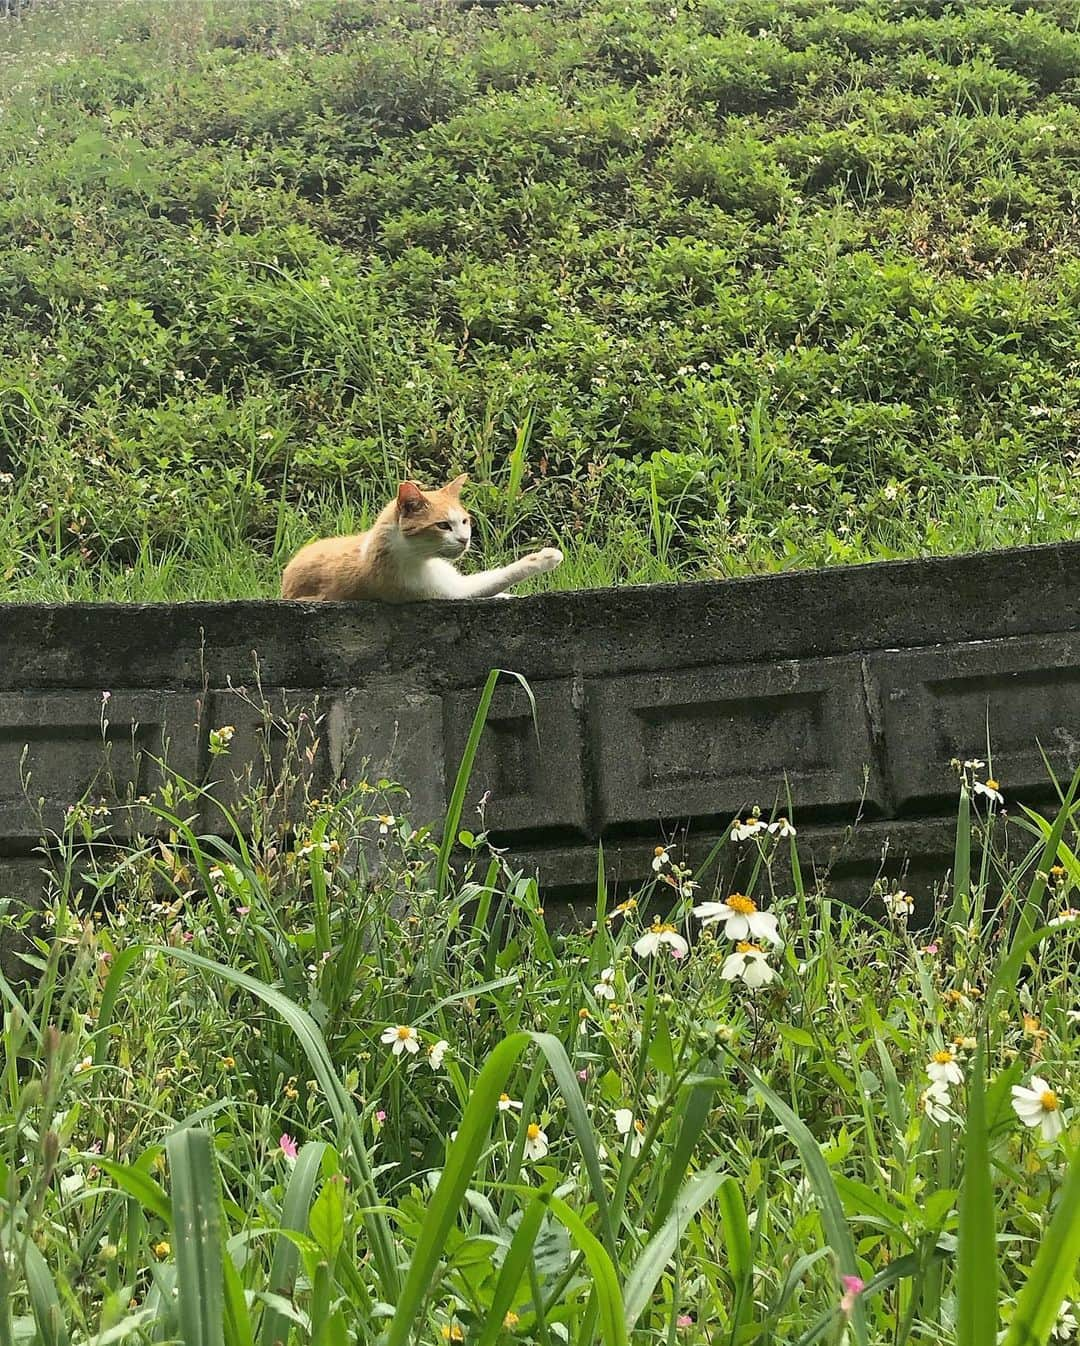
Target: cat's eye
445	526
466	521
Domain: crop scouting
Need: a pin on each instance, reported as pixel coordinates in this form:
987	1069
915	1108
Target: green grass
229	997
693	289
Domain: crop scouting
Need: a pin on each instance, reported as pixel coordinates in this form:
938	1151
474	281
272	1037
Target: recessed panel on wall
529	769
58	748
277	749
943	703
715	740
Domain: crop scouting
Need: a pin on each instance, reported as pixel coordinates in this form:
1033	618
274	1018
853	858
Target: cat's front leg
493	583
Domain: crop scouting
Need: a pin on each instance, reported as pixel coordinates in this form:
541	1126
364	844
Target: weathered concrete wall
658	707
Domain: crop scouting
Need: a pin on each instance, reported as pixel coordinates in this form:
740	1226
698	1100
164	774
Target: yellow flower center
639	1127
943	1058
1049	1100
583	1014
510	1320
744	947
745	906
659	851
629	905
504	1098
991	783
404	1033
658	928
532	1131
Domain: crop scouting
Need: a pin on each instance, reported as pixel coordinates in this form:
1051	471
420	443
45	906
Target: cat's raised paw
544	560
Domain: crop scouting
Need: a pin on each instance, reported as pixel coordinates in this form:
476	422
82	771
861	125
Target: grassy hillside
696	287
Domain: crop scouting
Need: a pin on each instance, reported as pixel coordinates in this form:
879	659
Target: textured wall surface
660	709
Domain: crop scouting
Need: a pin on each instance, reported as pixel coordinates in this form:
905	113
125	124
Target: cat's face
434	522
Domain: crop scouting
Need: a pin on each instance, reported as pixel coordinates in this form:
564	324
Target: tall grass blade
198	1237
976	1270
961	886
294	1216
461	782
1039	1302
514	1267
661	1247
461	1161
44	1301
605	1281
817	1171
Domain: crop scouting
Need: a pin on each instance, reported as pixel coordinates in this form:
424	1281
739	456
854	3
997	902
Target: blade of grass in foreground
198	1237
294	1215
976	1259
658	1252
461	1163
1039	1302
461	782
817	1171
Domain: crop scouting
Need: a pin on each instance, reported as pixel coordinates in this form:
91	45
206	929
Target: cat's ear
454	487
410	498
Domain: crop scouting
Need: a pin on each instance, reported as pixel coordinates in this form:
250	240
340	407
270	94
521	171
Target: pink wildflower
853	1288
684	1320
380	1116
288	1145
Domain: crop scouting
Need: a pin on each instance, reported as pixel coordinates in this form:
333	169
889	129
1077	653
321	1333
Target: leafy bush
388	236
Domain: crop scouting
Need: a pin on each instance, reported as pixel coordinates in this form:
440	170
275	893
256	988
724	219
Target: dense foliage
695	286
704	1117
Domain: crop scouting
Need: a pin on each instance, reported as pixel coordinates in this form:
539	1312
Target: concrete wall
658	707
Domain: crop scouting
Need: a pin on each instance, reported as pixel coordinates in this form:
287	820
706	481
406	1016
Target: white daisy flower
1066	1328
400	1038
935	1102
1039	1106
741	918
658	934
627	1125
660	859
943	1069
990	790
506	1103
536	1142
436	1052
1066	916
624	908
605	987
899	904
747	828
749	964
386	821
782	828
974	764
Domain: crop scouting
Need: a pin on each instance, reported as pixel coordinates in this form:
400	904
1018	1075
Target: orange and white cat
406	555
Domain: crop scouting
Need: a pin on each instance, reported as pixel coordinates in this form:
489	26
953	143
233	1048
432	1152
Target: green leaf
661	1247
1039	1302
605	1281
327	1219
294	1217
44	1301
817	1171
132	1180
513	1269
976	1260
198	1237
